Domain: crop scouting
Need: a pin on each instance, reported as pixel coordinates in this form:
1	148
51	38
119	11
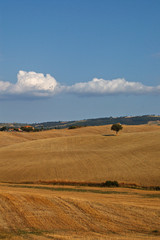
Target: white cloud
115	86
4	86
32	81
32	84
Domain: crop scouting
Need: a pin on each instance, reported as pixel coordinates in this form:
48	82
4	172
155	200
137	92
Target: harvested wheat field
89	154
47	212
84	154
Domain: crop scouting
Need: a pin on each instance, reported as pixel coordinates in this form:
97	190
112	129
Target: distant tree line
21	129
137	120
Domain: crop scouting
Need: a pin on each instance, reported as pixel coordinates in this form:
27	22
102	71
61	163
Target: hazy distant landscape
127	120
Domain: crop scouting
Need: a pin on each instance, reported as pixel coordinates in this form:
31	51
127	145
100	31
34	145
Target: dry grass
85	154
28	213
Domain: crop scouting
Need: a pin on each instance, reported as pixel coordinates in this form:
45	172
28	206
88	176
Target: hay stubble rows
86	154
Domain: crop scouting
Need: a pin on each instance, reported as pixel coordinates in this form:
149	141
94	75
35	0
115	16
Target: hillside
83	154
90	154
136	120
44	213
132	120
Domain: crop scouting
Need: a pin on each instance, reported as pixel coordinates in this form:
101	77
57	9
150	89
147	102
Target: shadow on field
109	135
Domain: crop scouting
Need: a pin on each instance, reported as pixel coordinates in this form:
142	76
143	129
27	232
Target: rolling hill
43	211
83	154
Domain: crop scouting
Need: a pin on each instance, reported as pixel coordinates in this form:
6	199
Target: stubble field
89	154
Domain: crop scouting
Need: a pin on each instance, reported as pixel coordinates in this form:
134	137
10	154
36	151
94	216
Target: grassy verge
108	183
66	189
96	191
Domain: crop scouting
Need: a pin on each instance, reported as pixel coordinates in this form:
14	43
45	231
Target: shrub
74	126
3	128
27	129
110	184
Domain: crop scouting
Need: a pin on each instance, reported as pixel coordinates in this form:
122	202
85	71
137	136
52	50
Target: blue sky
97	58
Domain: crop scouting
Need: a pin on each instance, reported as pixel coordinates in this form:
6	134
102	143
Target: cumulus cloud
115	86
32	84
4	86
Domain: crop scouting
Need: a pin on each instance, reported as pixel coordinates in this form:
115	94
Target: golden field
85	154
44	212
89	154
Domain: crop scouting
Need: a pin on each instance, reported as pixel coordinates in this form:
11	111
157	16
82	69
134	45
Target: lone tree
116	127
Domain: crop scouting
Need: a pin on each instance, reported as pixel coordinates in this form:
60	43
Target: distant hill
136	120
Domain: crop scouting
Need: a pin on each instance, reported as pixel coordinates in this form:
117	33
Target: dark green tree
3	128
116	127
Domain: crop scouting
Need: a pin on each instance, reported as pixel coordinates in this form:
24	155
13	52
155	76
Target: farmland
32	207
85	154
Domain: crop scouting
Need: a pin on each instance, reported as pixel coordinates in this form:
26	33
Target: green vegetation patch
68	189
151	195
96	191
